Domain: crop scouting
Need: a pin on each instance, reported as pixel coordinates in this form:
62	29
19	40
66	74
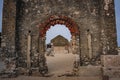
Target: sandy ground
60	63
51	78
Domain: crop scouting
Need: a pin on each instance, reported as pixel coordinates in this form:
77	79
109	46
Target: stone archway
63	20
72	26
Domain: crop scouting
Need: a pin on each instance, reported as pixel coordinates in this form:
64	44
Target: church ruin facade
25	22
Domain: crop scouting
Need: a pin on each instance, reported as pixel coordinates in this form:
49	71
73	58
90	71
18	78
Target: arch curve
63	20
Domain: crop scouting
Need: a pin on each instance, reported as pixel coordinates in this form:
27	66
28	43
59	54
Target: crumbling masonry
91	23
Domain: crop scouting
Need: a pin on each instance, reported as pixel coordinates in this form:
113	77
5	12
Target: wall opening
60	59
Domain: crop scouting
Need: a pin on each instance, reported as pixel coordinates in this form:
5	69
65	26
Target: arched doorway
62	20
60	37
58	50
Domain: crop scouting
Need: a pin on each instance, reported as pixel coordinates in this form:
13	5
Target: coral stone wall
8	27
97	16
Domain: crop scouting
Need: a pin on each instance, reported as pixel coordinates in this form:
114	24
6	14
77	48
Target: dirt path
60	63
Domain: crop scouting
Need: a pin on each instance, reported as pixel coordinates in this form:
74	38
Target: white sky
57	30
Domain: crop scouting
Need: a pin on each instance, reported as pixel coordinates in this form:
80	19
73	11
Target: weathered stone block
90	71
110	60
111	71
111	65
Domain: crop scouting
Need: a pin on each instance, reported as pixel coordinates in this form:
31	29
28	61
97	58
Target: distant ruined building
25	22
60	44
60	41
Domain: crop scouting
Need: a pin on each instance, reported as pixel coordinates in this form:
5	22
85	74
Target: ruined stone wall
26	23
89	20
108	27
60	41
97	16
84	12
8	27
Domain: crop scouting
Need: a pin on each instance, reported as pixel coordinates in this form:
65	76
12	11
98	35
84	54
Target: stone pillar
108	27
9	27
44	38
28	50
89	39
41	45
73	44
